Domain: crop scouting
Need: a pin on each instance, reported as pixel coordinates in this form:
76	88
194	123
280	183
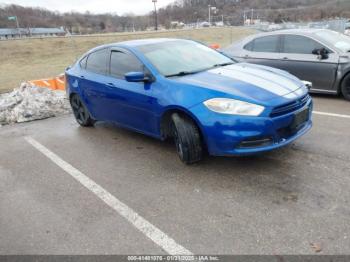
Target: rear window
268	44
97	62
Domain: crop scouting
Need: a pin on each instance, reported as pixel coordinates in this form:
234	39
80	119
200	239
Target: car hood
248	81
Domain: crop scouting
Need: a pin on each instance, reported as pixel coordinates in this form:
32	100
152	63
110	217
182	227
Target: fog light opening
256	142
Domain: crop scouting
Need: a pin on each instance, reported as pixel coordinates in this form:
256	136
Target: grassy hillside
30	59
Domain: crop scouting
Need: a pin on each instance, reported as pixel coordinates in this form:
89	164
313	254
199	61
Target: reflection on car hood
249	81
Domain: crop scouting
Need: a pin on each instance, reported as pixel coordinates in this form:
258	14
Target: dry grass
30	59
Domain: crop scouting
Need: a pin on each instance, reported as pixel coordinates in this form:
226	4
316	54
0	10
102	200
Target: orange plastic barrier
214	46
57	83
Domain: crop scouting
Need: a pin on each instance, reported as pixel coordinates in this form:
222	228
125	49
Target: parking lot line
331	114
152	232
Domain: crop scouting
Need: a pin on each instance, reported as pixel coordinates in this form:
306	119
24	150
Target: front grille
290	107
286	132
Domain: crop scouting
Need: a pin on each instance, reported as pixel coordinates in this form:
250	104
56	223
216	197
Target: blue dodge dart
188	92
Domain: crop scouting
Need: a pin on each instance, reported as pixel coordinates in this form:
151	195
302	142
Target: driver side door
131	103
299	60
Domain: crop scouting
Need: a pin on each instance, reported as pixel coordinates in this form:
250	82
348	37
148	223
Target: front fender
342	72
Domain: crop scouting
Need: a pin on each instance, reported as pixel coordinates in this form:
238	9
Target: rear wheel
81	113
187	139
345	87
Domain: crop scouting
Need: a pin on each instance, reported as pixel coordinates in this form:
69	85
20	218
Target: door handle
285	58
110	85
246	56
82	77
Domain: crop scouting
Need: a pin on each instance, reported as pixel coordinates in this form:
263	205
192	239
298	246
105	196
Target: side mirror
322	53
136	77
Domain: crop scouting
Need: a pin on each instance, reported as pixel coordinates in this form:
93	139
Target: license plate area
300	118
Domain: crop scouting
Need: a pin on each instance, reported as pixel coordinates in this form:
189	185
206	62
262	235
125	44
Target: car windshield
338	40
182	57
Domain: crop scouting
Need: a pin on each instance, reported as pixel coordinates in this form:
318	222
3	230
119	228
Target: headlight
307	84
233	107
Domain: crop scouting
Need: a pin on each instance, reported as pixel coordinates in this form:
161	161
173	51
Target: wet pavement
290	201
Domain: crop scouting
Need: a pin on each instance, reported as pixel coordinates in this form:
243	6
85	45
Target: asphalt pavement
65	189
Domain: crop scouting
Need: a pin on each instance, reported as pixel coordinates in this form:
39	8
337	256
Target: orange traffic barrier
57	83
214	46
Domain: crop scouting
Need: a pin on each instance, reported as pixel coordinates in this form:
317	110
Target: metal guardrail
337	25
140	33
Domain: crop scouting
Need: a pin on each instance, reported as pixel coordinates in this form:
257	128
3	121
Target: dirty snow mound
28	103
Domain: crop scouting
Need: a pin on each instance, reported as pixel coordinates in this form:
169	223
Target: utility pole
194	20
244	18
19	30
252	16
155	15
209	6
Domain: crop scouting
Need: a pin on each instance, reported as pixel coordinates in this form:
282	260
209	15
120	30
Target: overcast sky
94	6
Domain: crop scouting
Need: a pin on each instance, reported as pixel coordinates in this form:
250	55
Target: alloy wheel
79	110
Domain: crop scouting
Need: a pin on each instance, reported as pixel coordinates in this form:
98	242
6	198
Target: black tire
187	139
80	112
345	87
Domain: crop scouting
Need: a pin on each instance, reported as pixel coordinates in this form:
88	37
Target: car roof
147	41
306	31
135	43
140	42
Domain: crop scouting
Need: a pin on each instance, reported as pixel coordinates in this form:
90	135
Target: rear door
298	59
263	50
92	83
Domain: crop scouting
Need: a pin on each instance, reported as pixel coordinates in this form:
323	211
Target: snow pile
28	103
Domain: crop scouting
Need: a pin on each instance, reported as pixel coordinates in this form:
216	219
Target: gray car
319	56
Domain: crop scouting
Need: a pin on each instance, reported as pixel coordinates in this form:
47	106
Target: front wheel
345	87
81	113
187	139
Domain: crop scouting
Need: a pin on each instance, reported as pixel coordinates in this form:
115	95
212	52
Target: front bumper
227	135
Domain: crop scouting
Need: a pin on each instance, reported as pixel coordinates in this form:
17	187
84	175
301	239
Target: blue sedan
186	91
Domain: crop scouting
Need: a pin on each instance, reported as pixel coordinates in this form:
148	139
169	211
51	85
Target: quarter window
249	46
267	44
83	62
296	44
122	63
97	62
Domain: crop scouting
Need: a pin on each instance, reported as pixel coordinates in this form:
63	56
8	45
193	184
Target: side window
122	63
295	44
83	62
266	44
249	46
97	62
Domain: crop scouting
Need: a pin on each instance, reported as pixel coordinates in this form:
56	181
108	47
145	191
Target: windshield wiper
182	73
223	64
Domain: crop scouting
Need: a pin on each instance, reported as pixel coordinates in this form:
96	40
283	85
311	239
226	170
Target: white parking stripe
330	114
151	231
